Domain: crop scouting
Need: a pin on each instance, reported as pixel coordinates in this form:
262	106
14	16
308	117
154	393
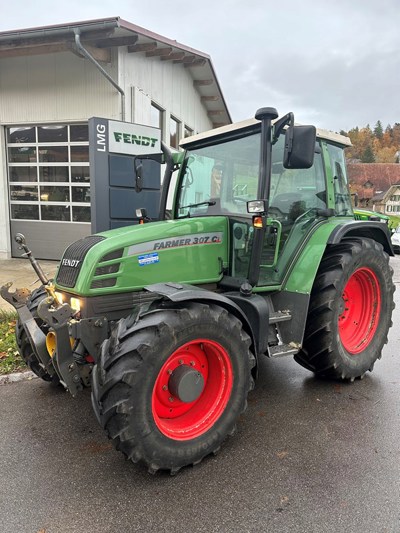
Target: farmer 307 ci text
259	255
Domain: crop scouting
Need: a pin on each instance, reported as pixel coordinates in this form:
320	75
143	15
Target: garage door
49	186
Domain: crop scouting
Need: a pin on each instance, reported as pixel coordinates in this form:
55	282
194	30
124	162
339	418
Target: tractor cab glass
222	179
219	179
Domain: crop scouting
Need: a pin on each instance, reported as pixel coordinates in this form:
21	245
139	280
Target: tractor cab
221	175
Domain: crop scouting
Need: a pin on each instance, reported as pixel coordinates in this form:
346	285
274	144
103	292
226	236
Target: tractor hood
125	259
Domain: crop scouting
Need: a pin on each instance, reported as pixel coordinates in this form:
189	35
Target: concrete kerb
17	376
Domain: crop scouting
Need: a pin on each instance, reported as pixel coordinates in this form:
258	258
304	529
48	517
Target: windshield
220	179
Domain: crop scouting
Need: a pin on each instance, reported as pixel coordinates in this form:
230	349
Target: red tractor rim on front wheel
184	420
359	317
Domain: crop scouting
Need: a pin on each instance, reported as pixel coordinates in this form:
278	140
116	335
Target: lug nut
164	387
171	399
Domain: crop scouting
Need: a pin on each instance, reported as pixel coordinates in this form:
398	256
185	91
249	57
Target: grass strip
10	359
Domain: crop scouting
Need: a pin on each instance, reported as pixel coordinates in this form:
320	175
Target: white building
52	80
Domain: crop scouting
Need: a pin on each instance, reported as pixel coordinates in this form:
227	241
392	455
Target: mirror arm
287	119
169	169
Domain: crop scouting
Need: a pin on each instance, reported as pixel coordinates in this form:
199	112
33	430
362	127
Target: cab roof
253	123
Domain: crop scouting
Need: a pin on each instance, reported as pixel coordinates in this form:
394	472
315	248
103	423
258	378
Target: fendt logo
70	263
140	140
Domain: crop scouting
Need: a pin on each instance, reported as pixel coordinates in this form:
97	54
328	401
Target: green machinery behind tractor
258	254
365	214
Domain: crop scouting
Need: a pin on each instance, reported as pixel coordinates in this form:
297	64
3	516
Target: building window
174	132
188	132
48	172
157	118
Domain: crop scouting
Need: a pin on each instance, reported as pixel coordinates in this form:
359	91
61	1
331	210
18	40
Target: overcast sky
334	64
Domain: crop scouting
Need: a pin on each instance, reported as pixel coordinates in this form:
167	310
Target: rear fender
377	231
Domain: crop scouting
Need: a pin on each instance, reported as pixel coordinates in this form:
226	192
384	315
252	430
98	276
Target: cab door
296	200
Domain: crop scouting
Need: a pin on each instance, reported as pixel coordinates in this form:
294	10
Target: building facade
388	202
52	80
369	181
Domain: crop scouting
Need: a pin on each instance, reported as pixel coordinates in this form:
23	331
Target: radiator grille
72	260
116	254
103	283
108	269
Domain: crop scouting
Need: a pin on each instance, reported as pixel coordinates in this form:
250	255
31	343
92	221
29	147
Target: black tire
24	346
127	395
350	311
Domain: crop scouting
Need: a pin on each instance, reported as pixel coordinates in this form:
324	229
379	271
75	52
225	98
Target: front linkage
58	351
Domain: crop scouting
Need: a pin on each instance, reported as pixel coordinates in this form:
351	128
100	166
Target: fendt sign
142	139
112	147
137	140
133	139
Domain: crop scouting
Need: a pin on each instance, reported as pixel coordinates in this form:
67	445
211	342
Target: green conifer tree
368	155
378	130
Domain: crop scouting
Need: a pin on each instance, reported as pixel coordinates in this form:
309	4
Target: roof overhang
100	36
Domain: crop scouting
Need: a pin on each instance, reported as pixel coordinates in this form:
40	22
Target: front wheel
169	388
350	310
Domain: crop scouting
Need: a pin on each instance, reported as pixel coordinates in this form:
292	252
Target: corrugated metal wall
54	87
168	84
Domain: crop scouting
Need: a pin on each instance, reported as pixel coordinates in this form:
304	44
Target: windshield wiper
197	205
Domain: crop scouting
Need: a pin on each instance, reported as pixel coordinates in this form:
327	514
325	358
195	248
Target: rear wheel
350	310
22	340
169	389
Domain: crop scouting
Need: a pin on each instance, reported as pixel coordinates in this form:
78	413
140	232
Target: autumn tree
386	155
396	135
377	145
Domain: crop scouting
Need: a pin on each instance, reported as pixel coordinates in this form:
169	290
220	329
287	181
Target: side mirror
139	175
139	171
299	147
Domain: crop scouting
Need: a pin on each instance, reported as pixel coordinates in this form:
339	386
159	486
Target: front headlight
75	303
59	296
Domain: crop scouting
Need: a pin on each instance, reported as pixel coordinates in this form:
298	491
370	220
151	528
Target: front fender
252	310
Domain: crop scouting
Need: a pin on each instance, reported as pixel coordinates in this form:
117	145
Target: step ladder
280	350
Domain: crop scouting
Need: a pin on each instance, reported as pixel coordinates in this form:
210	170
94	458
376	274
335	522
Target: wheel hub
186	383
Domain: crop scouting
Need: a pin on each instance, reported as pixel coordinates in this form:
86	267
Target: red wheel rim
183	421
359	316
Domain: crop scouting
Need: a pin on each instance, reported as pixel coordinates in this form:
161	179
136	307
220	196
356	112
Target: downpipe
89	56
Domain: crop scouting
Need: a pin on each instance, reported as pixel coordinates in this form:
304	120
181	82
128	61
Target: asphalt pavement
310	456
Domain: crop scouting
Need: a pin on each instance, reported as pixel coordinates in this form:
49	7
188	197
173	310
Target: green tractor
257	253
